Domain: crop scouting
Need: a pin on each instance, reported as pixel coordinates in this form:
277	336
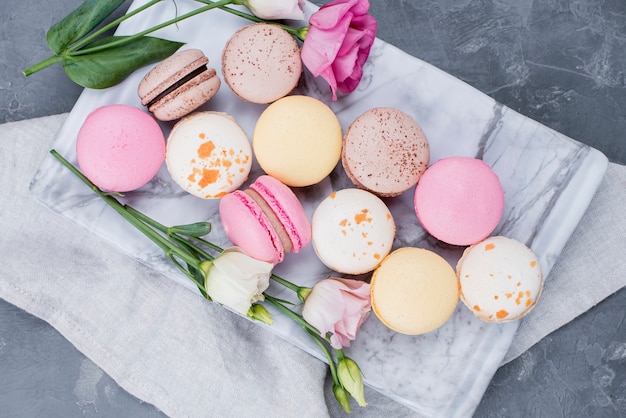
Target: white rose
276	9
237	280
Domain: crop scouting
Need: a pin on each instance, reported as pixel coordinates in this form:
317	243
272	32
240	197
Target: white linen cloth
167	346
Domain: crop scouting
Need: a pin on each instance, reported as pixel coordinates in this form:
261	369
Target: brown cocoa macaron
385	151
178	85
261	63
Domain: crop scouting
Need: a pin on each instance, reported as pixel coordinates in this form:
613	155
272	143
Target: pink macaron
120	148
459	200
266	220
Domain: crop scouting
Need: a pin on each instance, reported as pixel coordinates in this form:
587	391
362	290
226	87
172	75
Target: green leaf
79	23
108	67
198	229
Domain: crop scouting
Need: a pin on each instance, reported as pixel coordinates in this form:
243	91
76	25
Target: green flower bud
350	378
303	293
259	313
303	32
343	397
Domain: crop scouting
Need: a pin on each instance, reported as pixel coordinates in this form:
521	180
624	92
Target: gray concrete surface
560	62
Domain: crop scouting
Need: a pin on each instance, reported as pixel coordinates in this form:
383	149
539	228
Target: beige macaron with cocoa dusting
178	85
385	151
261	63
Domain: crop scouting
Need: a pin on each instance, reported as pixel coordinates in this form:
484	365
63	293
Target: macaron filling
181	82
285	223
178	85
269	216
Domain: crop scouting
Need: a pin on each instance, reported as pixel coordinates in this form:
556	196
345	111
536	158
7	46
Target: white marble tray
548	180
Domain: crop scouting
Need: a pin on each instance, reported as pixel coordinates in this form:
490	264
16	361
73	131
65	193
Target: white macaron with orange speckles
500	279
352	231
208	154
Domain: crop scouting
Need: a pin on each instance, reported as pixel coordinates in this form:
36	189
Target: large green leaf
100	70
79	23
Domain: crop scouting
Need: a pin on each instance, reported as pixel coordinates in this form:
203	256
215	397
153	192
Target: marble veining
548	180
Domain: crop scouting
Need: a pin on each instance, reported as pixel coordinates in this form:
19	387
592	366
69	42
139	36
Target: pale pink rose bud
338	306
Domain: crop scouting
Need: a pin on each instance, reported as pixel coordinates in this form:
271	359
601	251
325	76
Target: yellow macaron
297	139
414	291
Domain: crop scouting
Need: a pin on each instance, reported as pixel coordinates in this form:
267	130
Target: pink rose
338	306
340	36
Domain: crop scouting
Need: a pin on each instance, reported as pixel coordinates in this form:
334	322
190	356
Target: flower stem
286	283
299	33
148	231
209	244
41	65
166	230
291	314
191	245
310	329
235	12
169	231
128	39
111	25
145	218
329	356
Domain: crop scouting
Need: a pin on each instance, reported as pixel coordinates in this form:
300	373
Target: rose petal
330	14
340	36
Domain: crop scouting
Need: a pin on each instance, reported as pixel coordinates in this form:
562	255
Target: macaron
266	220
414	291
353	231
208	154
297	139
120	148
459	200
500	279
385	151
178	85
261	63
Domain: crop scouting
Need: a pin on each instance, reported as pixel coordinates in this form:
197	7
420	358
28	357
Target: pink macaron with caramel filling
266	220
